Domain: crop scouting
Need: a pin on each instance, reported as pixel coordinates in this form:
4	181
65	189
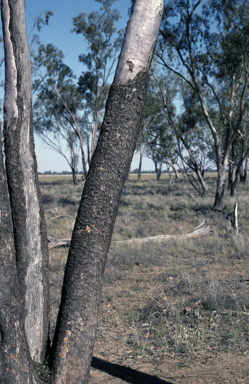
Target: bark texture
15	364
91	238
81	293
21	167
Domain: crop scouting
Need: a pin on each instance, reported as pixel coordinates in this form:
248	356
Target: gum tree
214	63
73	342
58	106
103	45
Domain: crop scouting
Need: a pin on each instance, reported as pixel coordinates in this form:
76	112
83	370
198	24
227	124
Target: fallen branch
59	215
202	229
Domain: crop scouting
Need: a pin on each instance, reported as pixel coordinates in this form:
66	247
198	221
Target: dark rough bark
77	320
27	213
15	363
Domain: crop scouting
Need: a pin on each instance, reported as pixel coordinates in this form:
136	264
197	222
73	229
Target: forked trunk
202	183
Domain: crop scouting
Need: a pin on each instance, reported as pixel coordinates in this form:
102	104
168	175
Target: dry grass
165	299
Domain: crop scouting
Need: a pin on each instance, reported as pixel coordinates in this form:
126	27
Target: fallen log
202	229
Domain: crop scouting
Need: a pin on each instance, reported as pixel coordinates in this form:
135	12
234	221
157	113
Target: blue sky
58	33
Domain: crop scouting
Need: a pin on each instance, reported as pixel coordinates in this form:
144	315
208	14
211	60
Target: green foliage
214	49
103	42
58	103
49	112
158	134
65	110
206	45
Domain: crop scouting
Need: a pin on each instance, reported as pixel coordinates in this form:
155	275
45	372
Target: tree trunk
14	353
218	203
74	174
170	178
202	182
175	170
84	173
158	170
128	174
81	293
243	170
139	175
78	313
27	212
172	165
234	179
94	134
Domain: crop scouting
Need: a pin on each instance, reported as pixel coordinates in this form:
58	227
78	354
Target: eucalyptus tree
59	111
160	139
73	342
209	45
183	117
103	45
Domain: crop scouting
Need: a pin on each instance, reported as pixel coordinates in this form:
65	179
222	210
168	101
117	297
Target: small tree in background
103	45
59	111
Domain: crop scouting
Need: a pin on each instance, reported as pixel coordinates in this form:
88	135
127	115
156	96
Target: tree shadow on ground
125	373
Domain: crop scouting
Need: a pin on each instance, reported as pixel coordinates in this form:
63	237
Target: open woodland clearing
178	308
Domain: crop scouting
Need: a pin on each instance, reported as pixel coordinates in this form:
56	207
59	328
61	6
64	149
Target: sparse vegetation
170	298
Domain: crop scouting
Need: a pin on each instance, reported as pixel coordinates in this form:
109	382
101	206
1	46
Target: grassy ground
175	299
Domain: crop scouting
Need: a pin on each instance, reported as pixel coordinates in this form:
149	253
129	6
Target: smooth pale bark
172	165
158	170
202	182
220	188
27	213
233	176
243	170
81	293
